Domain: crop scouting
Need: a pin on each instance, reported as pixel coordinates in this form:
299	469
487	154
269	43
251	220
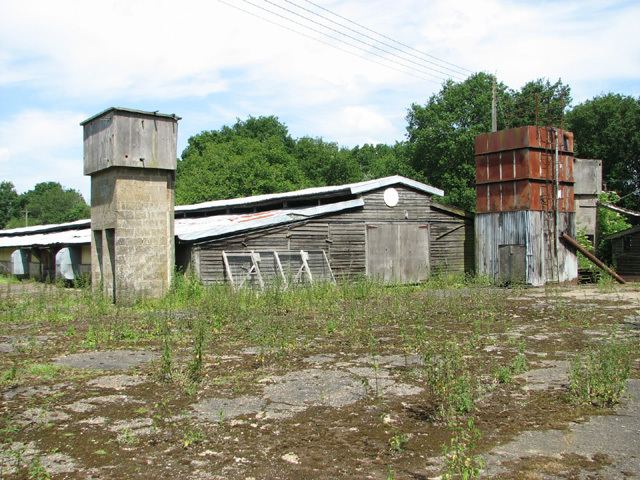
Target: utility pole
26	217
494	112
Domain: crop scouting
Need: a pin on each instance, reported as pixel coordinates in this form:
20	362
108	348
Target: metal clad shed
388	228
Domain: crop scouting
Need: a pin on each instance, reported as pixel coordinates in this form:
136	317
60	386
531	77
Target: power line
406	72
387	37
345	42
355	38
454	71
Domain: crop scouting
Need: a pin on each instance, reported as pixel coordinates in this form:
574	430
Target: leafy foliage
258	156
441	133
9	203
48	202
460	463
607	127
600	376
609	222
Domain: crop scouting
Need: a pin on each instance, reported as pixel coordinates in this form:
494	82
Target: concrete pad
314	387
90	404
617	436
222	409
41	416
116	382
107	360
554	375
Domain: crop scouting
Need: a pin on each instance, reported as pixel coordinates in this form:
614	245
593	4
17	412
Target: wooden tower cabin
525	201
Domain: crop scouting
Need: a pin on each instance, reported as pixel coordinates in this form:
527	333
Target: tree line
258	155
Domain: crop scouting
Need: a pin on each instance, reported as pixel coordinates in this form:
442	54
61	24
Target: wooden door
513	267
398	252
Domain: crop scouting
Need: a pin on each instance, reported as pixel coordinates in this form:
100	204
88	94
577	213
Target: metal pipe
595	260
555	206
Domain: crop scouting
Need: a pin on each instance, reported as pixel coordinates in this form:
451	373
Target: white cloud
211	63
355	124
37	146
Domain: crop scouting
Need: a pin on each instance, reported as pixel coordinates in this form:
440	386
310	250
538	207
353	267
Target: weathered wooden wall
535	231
343	237
627	260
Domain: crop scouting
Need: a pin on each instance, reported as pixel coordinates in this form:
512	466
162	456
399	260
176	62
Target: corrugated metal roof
623	233
192	229
187	229
351	188
67	237
617	209
47	228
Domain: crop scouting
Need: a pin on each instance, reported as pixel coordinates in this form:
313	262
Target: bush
599	376
450	379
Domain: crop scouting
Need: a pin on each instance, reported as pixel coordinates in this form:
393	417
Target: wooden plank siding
626	254
342	236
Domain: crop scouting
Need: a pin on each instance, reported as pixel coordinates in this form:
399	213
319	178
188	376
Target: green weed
192	437
37	471
449	379
460	462
599	376
398	442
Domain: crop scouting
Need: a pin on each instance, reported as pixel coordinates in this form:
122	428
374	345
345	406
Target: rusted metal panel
524	137
482	169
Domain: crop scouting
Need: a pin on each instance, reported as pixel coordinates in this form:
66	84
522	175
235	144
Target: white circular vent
391	197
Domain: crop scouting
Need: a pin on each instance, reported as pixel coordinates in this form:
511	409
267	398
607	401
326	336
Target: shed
390	229
625	251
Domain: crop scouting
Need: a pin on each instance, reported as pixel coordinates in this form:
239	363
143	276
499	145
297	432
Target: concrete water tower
131	158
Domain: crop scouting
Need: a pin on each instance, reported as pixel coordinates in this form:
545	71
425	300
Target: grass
599	376
200	331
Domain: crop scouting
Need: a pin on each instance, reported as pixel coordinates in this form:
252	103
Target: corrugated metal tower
525	200
131	158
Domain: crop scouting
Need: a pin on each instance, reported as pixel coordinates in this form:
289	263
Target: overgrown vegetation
460	461
599	376
461	339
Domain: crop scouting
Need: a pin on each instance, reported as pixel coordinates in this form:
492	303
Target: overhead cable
371	45
452	71
386	59
405	71
388	38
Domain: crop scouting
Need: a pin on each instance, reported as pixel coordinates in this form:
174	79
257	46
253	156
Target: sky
211	63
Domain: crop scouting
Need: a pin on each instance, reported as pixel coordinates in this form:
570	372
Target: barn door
398	252
513	267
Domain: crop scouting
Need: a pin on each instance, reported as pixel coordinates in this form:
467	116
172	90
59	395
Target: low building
390	229
625	251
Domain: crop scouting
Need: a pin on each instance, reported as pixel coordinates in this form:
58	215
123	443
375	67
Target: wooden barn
390	229
625	252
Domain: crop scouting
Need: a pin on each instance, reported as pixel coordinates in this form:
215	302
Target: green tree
441	133
251	157
538	102
50	202
607	127
9	203
609	222
384	160
324	163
